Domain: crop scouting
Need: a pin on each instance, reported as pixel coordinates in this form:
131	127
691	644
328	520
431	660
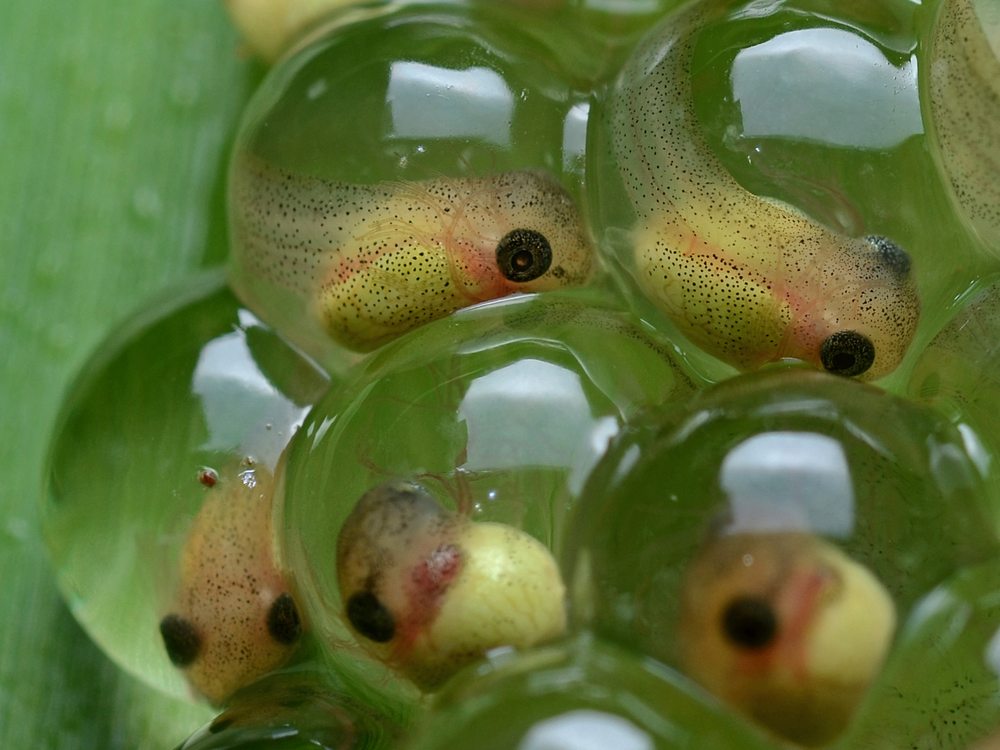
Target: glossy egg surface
499	412
136	456
401	167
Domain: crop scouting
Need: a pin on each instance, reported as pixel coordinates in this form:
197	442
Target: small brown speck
208	476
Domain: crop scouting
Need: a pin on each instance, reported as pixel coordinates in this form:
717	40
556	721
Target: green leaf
115	123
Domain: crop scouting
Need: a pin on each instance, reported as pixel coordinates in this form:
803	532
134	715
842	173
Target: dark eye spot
895	258
847	353
749	623
370	617
283	620
523	255
181	640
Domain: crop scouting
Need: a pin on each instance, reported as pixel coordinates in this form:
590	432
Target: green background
115	120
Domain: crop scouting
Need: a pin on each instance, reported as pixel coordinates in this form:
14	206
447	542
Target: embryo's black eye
749	622
370	617
523	255
181	639
283	621
847	353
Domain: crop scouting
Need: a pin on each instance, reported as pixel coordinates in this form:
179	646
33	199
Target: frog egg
761	186
427	591
149	434
957	373
812	509
499	412
963	81
299	709
408	162
582	694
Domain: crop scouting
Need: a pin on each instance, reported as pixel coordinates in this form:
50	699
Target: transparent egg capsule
957	373
766	537
410	161
441	474
301	709
761	186
157	511
963	80
579	695
940	687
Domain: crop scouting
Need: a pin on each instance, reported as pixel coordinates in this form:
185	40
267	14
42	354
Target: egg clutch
628	387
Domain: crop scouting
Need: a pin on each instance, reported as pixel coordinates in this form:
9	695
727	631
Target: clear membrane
196	383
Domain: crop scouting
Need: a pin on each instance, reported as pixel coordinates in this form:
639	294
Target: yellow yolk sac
785	628
749	280
428	592
965	104
234	618
372	262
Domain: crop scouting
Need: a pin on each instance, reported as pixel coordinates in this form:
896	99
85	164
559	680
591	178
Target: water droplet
118	115
317	89
146	203
18	528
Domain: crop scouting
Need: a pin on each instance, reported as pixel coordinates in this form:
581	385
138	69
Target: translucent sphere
964	98
957	373
409	161
771	521
493	416
167	408
762	186
580	695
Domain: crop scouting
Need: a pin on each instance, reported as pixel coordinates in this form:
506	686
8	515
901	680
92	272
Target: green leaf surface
115	122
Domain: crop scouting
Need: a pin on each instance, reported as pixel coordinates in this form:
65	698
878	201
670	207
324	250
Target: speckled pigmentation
375	261
747	279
